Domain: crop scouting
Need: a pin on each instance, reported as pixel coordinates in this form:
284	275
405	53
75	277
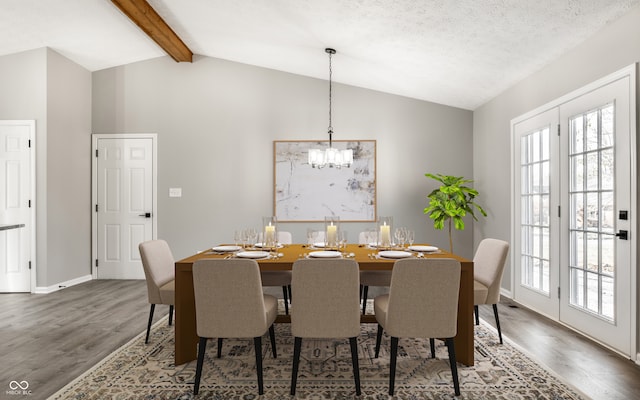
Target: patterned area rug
139	371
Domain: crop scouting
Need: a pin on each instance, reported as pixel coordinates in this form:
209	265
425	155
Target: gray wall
68	164
613	48
216	122
55	92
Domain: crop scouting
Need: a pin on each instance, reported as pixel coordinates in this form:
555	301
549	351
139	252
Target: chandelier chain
330	98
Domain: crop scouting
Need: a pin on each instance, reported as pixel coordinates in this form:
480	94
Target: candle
270	235
385	235
332	234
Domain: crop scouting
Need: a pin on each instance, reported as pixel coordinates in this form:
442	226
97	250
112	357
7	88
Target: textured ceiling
455	52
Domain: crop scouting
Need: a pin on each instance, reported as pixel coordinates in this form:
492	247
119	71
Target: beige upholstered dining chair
280	278
325	305
230	304
159	272
371	278
422	303
488	266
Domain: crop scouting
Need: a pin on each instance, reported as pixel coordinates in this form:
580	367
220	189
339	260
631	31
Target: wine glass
311	236
410	237
252	236
373	238
400	235
342	240
237	237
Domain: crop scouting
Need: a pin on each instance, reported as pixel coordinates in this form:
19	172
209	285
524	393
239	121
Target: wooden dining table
186	338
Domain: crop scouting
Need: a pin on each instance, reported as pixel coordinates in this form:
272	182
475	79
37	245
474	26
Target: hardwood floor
48	340
596	371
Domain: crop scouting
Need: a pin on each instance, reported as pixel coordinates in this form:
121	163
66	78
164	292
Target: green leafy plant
451	202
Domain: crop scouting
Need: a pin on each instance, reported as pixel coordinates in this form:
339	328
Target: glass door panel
595	161
536	282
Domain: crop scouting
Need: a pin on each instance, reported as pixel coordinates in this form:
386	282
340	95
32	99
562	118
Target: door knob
146	215
624	235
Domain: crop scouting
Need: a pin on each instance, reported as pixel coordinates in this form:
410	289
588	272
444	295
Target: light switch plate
175	192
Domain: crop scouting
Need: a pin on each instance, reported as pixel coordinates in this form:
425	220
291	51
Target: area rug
139	371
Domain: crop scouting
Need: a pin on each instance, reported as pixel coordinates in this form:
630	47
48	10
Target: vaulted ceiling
455	52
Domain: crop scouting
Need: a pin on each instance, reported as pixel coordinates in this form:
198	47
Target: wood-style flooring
49	340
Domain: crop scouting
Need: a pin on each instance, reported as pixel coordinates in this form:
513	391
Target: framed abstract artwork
303	193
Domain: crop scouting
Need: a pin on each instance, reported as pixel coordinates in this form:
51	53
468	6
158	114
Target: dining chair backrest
158	265
488	266
326	298
362	238
229	298
423	298
285	237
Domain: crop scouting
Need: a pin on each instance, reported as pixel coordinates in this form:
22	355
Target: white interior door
575	207
595	263
16	216
125	206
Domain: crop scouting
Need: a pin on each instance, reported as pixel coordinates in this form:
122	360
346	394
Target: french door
574	210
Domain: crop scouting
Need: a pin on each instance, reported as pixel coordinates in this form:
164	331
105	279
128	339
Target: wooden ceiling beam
143	15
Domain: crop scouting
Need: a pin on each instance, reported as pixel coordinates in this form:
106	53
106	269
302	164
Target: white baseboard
506	293
62	285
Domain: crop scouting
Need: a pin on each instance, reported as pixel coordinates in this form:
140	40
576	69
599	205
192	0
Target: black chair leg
354	360
285	296
170	314
257	343
432	344
219	347
495	313
454	367
475	311
272	337
392	367
297	345
289	290
201	348
365	294
378	340
153	307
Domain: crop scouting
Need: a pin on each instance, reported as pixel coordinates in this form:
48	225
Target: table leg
186	338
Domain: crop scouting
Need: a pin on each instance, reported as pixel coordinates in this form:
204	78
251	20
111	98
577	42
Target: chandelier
331	156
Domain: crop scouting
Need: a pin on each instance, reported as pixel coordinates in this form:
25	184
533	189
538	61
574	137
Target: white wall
613	48
216	122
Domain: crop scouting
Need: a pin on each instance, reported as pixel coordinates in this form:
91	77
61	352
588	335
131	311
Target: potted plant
451	202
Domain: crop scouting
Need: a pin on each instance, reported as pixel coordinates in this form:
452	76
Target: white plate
261	245
394	254
252	254
319	245
325	254
423	248
226	248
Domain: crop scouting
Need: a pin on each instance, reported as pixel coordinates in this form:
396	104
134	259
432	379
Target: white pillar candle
332	235
385	235
270	235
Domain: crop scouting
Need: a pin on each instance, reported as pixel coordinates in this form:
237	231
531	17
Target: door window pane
607	297
577	135
534	192
592	218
